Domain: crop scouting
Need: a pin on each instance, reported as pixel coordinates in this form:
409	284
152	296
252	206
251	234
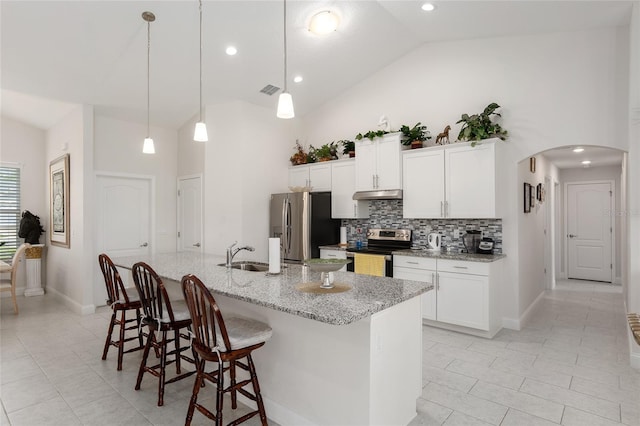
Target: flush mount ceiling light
231	51
148	147
586	162
578	149
428	7
324	22
285	102
200	132
297	79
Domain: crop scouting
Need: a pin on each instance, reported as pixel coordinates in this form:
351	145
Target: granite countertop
335	247
367	296
470	257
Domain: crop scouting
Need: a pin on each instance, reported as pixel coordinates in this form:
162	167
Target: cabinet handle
413	263
461	267
438	282
355	210
373	181
433	278
331	255
446	209
377	181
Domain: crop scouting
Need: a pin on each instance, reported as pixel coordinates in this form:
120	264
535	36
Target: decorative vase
416	144
352	154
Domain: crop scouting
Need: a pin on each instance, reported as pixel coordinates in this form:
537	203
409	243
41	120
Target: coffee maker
471	240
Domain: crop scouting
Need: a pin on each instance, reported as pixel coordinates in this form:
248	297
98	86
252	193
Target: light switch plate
456	233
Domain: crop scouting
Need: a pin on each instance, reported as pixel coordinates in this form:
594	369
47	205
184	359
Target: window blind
9	210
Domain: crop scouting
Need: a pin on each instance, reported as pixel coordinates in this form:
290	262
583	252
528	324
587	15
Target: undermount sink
249	266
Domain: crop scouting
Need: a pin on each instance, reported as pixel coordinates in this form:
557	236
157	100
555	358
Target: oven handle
387	257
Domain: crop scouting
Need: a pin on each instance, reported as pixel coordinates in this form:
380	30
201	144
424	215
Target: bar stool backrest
152	292
115	287
207	322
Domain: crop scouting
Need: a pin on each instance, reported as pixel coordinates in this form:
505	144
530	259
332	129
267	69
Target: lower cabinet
334	254
464	294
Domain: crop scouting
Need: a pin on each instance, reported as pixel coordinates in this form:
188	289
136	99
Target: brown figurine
443	137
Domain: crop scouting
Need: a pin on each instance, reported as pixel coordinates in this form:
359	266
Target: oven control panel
389	234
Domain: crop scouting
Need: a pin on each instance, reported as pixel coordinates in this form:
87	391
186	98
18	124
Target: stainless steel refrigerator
302	221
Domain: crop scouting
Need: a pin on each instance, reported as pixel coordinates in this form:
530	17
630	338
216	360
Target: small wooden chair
10	285
120	301
222	341
161	316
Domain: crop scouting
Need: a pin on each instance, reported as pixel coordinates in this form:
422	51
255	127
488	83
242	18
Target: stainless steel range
383	242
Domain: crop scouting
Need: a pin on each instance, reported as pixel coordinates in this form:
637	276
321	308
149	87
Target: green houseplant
348	148
479	126
325	153
371	134
414	136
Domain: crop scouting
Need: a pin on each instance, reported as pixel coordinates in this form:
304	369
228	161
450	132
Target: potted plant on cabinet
479	126
371	134
348	148
300	157
324	153
414	136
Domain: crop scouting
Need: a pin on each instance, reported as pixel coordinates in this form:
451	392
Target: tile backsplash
388	214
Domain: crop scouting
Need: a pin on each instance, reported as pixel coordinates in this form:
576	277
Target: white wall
555	89
582	174
24	145
245	161
68	270
118	149
531	237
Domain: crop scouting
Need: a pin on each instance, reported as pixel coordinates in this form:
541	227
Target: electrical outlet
456	233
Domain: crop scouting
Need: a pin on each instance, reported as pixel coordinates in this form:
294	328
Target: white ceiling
94	52
565	158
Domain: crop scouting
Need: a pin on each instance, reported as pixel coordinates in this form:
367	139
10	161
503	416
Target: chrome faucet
231	252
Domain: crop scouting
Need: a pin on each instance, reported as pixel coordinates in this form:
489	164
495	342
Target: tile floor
568	366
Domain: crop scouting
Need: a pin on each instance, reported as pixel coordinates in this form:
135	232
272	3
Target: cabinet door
463	300
428	298
320	177
343	185
388	162
423	184
299	176
365	165
334	254
470	181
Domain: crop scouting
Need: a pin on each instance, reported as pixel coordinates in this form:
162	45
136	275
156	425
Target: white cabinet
452	181
378	163
334	254
465	293
343	185
317	176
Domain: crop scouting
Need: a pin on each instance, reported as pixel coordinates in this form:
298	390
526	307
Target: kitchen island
350	358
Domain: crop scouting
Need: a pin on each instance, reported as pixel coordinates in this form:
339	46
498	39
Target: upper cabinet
378	163
317	176
343	185
451	182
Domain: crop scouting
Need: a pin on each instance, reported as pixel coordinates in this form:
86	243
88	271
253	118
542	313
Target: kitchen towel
343	235
274	255
369	264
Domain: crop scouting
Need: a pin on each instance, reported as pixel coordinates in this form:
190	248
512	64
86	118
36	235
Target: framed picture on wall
532	197
527	198
532	164
59	201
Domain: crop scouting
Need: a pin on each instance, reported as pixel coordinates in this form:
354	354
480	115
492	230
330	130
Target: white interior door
123	225
589	231
190	214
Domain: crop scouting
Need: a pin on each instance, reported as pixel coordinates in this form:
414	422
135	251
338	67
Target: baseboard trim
517	324
72	304
635	360
277	412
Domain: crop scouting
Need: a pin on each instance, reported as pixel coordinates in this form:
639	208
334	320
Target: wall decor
532	164
527	198
59	201
532	199
539	192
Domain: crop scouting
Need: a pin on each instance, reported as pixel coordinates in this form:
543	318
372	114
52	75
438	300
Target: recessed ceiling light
231	50
324	22
428	7
578	149
586	162
297	79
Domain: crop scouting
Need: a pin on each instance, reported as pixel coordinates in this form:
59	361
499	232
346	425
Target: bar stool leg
196	388
107	343
256	390
220	393
178	352
232	375
163	364
145	355
123	322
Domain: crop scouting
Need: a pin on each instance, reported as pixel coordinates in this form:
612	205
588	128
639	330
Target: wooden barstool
119	301
222	341
162	317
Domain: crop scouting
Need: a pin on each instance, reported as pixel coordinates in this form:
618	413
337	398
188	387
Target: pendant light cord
285	46
148	72
200	60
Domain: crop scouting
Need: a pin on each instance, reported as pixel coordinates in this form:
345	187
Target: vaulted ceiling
94	52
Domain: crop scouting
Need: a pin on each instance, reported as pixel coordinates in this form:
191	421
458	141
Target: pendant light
200	133
285	102
148	147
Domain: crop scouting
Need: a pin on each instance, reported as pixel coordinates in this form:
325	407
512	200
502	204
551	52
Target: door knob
572	236
196	245
144	245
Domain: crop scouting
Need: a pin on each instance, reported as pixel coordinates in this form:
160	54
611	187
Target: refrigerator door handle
284	225
288	226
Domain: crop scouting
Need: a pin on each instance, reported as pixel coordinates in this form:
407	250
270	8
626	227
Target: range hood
387	194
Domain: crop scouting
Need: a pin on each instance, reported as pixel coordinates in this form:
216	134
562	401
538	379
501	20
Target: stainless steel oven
382	242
